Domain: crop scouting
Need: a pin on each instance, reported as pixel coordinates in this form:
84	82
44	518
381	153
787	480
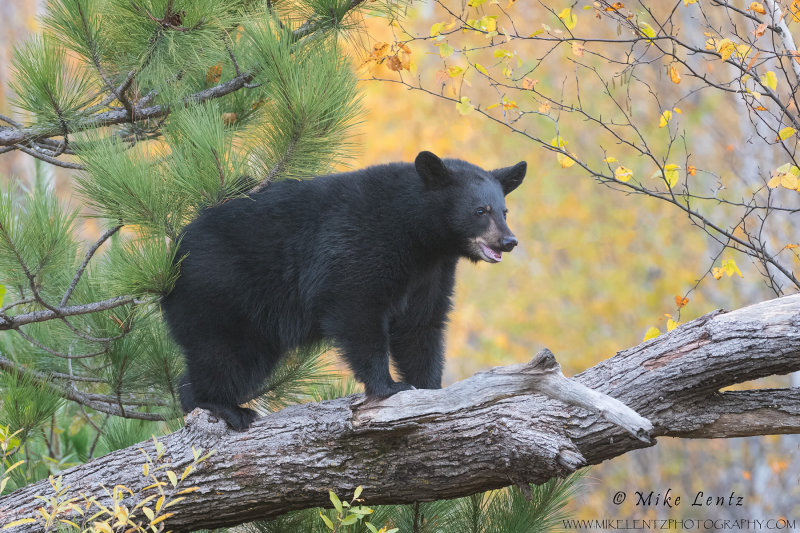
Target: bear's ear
432	171
510	177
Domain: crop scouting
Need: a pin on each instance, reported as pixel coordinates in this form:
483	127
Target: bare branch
86	259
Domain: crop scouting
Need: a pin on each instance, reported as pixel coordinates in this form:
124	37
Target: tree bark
516	424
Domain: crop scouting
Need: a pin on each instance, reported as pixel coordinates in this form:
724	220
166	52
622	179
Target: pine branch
105	404
15	321
17	137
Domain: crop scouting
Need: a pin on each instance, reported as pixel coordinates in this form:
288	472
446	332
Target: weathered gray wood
491	430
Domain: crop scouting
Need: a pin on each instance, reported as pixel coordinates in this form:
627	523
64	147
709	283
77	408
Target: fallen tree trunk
516	424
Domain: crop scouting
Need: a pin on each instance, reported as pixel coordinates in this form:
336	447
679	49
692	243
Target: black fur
364	259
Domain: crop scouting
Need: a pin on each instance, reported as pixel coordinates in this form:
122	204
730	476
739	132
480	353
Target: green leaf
327	521
2	294
350	520
445	50
464	107
356	493
337	503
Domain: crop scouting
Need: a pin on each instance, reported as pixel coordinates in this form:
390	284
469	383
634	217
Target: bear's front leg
365	347
418	353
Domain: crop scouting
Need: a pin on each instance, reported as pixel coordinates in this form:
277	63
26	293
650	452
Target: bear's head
474	206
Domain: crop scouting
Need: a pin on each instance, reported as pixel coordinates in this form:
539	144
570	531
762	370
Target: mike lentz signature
668	500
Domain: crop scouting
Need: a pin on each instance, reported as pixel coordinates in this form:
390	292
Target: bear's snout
509	242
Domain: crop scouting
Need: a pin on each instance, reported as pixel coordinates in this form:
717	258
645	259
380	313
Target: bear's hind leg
238	418
224	373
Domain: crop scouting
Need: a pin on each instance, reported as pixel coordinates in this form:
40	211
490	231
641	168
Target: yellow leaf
730	268
666	116
544	107
487	23
558	142
454	71
175	501
671	174
647	30
792	246
19	522
528	83
742	51
774	182
482	69
577	48
502	53
464	107
678	110
565	161
173	478
509	104
716	272
569	19
785	133
673	74
623	174
102	527
161	518
789	181
187	491
610	160
725	48
476	3
758	8
437	28
671	324
770	80
651	333
687	2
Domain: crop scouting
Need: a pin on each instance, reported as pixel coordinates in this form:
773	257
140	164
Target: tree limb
15	321
514	424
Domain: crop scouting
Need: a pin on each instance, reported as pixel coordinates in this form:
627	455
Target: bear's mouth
489	254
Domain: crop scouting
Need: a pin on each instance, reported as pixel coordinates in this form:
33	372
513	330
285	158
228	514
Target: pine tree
166	107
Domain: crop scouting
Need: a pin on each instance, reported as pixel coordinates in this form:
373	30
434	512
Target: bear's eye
505	213
480	211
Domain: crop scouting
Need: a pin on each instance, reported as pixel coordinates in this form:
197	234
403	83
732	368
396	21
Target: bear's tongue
491	253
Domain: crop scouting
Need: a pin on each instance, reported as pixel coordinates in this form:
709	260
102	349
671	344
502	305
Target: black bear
363	259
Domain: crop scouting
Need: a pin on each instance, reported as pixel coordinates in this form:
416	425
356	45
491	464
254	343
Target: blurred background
594	270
